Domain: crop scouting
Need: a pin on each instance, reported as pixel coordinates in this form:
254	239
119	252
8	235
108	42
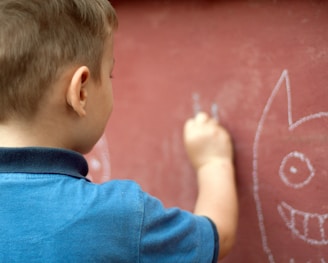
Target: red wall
263	64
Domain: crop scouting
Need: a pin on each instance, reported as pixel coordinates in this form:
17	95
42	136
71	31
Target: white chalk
196	105
215	111
197	108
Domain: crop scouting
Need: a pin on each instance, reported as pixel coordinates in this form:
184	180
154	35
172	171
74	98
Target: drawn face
290	175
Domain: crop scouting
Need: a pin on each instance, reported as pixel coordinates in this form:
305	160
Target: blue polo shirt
50	212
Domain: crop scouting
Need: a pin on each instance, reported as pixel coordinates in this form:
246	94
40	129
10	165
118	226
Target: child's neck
23	134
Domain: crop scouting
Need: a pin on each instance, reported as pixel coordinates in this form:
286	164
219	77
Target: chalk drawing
99	161
284	171
289	214
289	174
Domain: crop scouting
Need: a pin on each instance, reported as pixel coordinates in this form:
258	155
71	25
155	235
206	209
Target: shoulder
123	187
118	206
122	193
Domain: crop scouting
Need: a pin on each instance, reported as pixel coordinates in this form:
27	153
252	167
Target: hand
206	141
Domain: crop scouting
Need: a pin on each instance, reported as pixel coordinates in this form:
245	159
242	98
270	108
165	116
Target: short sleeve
216	241
175	235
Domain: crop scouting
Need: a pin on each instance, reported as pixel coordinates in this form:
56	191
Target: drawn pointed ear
281	99
285	79
77	94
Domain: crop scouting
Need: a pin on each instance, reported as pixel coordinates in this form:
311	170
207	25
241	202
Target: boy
56	60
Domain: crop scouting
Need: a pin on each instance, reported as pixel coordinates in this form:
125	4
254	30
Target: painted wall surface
261	68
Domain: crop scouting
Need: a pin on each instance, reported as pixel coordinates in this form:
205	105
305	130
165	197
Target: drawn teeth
325	226
310	227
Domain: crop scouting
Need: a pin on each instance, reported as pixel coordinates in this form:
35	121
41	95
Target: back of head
38	38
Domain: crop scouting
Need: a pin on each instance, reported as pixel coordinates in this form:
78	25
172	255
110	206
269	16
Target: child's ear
76	95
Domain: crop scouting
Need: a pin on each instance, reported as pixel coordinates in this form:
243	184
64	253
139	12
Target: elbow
227	242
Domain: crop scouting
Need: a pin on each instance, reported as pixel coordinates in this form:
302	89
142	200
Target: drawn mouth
310	227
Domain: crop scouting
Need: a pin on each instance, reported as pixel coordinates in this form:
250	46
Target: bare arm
209	148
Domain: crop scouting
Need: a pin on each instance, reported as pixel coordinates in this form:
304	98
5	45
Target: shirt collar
38	160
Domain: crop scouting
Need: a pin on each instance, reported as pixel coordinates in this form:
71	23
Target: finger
213	121
188	124
201	117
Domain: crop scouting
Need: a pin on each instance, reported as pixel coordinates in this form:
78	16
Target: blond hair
38	38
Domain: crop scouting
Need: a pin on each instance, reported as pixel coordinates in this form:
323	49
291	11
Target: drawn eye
296	170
